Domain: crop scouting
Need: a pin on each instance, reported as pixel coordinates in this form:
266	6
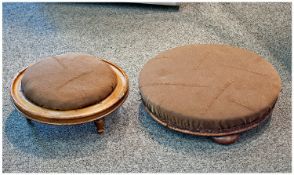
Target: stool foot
226	140
29	120
100	125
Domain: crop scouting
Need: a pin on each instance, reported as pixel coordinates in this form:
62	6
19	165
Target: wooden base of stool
100	125
226	140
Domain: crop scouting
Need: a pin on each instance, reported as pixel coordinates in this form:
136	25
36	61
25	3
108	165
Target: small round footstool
218	91
70	89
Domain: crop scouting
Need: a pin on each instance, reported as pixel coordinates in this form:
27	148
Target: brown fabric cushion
68	81
209	87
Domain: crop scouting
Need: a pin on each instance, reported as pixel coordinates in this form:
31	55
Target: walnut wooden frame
224	137
96	112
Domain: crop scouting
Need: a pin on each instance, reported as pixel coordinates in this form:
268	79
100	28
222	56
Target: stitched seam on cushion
59	62
217	96
174	84
73	79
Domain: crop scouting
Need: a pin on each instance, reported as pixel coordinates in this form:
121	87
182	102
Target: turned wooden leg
226	140
28	120
100	125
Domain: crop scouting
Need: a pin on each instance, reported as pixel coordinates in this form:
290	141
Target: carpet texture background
129	35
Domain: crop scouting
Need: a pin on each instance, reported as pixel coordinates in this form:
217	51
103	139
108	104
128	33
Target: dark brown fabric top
68	81
209	87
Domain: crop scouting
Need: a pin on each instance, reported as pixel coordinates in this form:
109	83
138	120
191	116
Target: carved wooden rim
236	130
69	117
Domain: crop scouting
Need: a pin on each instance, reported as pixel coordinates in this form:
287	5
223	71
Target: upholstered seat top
209	87
68	81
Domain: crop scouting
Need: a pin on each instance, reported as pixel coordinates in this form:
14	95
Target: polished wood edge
75	121
226	140
224	133
120	69
72	121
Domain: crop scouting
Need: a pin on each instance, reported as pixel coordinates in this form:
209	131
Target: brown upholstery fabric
209	88
68	81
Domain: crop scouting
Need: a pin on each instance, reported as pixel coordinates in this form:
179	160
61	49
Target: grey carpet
129	35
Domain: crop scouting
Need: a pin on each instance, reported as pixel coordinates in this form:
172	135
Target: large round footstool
70	89
209	90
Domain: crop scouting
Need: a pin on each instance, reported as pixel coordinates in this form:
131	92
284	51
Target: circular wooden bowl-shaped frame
224	137
95	112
